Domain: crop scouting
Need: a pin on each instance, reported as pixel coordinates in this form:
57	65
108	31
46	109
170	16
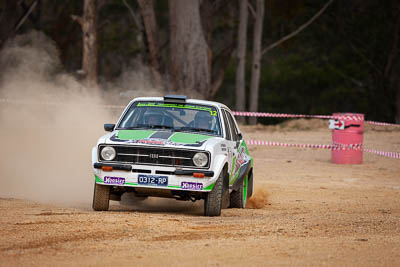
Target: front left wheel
101	197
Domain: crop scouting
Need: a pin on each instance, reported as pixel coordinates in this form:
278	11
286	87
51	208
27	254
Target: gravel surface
306	211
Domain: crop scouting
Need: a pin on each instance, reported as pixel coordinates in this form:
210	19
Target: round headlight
200	159
108	153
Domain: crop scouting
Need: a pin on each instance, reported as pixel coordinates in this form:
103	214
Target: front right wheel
213	200
101	197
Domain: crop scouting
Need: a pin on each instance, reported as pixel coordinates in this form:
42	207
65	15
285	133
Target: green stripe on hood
188	138
134	134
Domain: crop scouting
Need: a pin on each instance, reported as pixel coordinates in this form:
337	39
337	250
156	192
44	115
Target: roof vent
175	98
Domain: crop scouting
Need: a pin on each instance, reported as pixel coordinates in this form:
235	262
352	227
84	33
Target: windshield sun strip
171	105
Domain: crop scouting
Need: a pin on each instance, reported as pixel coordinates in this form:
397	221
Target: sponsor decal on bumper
184	185
191	186
114	180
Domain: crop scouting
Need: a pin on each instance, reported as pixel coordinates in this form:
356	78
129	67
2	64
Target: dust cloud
49	123
48	133
259	199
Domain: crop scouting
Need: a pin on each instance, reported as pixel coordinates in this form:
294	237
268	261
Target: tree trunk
398	105
8	19
89	31
219	61
241	58
150	25
255	68
190	68
206	17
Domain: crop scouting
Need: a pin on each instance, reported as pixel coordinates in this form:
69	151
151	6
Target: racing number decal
213	112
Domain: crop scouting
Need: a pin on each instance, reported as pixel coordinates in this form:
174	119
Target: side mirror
240	136
109	127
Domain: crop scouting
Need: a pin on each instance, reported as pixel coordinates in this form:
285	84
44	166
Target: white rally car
174	147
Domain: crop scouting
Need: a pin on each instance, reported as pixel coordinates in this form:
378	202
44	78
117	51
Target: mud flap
244	170
250	185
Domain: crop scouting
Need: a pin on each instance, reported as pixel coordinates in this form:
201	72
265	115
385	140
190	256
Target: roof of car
192	101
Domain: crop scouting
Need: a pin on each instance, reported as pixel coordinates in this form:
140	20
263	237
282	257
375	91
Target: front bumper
178	179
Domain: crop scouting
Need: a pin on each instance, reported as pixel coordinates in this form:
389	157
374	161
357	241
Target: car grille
154	156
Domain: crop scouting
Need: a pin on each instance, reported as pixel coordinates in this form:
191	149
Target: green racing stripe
178	137
134	134
188	138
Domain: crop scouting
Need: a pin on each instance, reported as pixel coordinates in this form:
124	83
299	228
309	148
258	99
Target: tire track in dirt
59	240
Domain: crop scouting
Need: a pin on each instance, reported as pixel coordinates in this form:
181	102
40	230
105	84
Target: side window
227	128
235	131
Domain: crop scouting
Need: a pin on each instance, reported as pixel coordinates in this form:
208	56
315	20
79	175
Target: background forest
339	56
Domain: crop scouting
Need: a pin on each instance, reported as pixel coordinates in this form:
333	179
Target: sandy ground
310	212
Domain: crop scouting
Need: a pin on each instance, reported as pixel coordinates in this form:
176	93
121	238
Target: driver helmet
153	117
203	120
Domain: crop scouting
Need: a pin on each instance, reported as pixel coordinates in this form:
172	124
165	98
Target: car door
230	143
237	149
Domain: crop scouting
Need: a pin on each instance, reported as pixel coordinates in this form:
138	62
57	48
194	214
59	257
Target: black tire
238	198
225	193
101	197
213	200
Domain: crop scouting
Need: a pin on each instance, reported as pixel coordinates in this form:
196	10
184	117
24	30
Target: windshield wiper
131	128
146	126
160	126
195	130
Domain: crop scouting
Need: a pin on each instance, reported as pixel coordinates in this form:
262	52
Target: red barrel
348	143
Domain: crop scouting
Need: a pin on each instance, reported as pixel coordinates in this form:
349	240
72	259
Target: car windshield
171	116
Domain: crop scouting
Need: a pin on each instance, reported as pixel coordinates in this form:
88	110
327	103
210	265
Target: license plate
153	180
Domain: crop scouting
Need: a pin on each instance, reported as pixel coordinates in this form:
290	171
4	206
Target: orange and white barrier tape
395	155
335	146
270	143
284	115
381	123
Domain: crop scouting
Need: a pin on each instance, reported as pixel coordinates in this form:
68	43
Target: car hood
165	138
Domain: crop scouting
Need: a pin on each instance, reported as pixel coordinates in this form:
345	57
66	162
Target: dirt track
312	213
